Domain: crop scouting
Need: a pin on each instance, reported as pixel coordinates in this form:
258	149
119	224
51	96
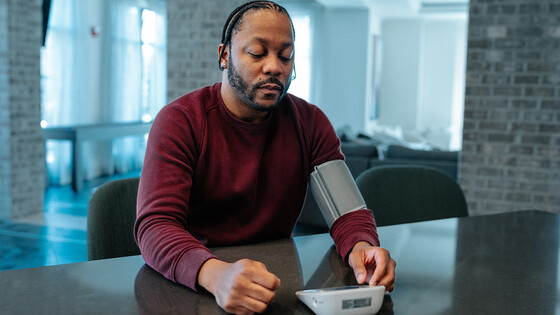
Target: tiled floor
58	236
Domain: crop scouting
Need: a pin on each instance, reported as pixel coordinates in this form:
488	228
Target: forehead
264	23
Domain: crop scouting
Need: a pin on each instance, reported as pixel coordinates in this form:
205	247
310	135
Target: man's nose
272	66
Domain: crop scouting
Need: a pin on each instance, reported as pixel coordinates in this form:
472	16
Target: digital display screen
356	303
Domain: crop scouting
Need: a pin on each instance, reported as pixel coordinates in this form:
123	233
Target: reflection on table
496	264
499	264
154	292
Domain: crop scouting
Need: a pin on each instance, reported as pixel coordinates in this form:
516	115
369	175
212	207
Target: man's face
260	59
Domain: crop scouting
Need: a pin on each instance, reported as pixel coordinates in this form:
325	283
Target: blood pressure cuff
335	190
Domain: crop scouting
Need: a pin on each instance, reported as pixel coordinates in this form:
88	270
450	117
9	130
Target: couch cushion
355	149
400	152
448	167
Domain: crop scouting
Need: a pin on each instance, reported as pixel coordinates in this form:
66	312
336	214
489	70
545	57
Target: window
57	52
148	42
115	74
301	86
303	19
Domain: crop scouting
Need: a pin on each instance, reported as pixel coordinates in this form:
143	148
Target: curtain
157	79
123	83
134	85
304	18
104	79
66	100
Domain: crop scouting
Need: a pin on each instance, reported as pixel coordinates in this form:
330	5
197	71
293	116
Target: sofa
445	161
362	155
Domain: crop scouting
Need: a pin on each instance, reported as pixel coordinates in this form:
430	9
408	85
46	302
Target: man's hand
244	287
373	265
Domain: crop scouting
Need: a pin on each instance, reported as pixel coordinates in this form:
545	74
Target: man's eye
286	59
256	55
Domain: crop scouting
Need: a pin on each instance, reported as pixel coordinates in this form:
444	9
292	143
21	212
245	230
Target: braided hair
234	20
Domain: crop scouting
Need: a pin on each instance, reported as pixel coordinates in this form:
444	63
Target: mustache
269	81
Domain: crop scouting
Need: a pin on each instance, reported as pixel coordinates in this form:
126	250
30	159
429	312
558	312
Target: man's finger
357	264
381	264
253	305
261	276
388	280
261	293
268	280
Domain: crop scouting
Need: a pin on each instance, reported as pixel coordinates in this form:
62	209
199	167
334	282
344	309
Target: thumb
359	269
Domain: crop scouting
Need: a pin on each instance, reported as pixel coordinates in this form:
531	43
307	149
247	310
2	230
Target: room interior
401	57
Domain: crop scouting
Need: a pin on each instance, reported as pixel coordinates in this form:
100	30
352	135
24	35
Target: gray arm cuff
335	190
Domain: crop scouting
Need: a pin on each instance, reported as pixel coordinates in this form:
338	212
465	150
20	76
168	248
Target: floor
57	236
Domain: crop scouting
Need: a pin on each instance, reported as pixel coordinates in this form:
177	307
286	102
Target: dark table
496	264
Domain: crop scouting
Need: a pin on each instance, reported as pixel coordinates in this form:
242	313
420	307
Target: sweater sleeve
352	227
163	200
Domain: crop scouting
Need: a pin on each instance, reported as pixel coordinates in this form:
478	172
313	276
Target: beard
248	93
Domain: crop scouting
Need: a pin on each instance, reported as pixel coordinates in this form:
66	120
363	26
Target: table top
496	264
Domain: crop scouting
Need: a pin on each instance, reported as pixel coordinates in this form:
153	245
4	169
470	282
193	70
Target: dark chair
404	193
110	220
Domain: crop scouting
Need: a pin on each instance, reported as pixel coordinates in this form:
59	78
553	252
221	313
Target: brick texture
194	31
4	114
511	139
22	156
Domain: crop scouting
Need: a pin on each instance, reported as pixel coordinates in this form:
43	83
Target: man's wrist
209	272
361	244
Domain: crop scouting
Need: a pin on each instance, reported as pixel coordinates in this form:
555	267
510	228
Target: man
229	164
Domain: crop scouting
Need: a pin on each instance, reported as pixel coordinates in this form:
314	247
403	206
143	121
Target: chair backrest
404	193
110	220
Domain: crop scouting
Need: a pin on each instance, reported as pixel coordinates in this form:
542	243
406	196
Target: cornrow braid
234	19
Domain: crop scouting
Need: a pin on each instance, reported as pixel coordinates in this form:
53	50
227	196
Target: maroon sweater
210	179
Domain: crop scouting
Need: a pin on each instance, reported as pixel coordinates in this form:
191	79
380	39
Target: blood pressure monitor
358	299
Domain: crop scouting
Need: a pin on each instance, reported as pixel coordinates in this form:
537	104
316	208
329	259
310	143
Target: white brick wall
5	162
511	139
22	156
194	31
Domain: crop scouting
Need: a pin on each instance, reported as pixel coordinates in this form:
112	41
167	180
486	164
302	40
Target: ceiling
404	8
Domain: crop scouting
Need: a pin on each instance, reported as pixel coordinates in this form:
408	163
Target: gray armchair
405	193
110	220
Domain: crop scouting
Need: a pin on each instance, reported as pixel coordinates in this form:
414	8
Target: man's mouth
270	88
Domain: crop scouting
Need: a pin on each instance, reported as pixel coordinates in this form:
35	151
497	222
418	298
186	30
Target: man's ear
223	55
